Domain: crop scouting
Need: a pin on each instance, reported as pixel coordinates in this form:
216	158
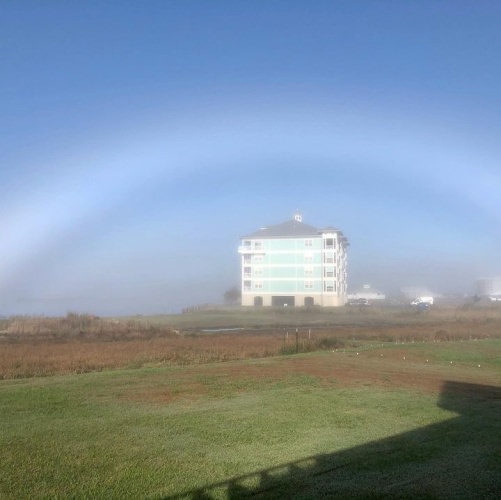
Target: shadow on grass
458	458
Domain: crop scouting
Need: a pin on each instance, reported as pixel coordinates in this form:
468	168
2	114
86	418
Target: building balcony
246	250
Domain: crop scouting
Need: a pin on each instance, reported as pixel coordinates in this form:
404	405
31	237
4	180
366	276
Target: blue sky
140	140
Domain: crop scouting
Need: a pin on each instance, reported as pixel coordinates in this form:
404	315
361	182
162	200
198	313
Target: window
247	272
258	285
308	243
247	286
247	259
308	257
308	271
258	245
329	272
258	259
308	285
329	243
329	259
258	271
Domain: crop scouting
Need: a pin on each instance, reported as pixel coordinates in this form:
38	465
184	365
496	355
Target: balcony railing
245	249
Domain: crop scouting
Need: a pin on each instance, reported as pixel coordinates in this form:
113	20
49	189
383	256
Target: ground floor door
283	301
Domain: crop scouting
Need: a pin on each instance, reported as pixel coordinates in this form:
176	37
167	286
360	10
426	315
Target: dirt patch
336	370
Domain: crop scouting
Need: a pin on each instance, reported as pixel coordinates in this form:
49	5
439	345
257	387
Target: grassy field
372	418
337	316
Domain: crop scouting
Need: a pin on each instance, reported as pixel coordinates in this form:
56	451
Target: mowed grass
336	424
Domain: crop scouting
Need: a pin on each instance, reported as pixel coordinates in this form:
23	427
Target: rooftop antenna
297	216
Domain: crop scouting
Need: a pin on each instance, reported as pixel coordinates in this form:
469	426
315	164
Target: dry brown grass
31	347
29	358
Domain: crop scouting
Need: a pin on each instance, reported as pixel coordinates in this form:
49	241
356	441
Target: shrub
288	349
441	335
329	343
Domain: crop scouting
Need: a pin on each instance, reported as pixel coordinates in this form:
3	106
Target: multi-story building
489	287
294	264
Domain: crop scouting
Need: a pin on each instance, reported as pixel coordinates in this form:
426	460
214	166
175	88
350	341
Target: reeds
79	343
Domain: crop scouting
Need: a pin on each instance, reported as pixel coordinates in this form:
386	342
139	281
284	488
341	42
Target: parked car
423	306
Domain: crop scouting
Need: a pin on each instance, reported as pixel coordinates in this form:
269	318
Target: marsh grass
33	347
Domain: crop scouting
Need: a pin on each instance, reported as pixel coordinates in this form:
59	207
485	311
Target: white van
422	300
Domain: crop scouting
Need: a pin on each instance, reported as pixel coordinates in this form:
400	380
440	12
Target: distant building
489	287
294	264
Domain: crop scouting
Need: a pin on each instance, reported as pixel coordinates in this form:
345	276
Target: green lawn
199	432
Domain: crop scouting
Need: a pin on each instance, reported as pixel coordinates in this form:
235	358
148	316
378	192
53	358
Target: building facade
489	287
294	264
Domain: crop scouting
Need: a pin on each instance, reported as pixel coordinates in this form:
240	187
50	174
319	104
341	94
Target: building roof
288	229
330	229
294	228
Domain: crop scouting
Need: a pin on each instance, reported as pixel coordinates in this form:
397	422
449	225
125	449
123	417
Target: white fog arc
85	184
